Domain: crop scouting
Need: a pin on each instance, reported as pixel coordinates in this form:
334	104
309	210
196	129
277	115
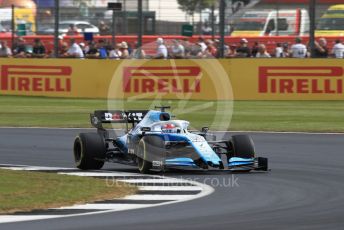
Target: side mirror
205	129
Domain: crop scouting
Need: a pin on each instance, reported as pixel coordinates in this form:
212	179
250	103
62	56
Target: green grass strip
311	116
24	191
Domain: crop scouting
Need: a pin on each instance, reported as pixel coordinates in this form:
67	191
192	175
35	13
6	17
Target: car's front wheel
143	162
243	146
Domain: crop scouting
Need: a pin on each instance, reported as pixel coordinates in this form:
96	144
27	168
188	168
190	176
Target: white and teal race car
156	142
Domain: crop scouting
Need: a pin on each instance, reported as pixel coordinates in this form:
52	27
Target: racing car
153	141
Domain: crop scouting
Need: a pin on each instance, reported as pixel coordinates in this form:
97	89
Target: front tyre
143	163
151	149
243	146
89	151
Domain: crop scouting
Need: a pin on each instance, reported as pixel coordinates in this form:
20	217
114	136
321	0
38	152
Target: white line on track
166	180
103	174
170	188
114	207
34	168
17	218
159	197
126	203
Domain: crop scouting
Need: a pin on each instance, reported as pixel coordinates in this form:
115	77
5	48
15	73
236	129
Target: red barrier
301	1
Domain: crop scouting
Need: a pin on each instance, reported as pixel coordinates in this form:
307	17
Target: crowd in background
175	49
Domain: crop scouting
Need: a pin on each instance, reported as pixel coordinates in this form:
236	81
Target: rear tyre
89	151
243	146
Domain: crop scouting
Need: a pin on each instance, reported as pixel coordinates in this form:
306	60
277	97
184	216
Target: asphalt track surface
304	190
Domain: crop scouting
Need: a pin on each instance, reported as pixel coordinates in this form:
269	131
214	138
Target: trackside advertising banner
212	79
287	79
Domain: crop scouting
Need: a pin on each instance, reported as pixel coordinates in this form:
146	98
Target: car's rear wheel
243	146
89	151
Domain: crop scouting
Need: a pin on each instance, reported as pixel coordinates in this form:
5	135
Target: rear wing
100	117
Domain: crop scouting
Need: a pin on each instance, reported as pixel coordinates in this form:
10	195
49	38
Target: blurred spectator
298	50
282	50
202	43
19	50
196	51
243	50
138	52
338	49
321	50
112	54
63	51
72	30
162	52
83	47
279	50
231	51
124	50
92	51
177	50
286	52
38	49
225	51
187	47
206	29
210	51
102	49
74	50
61	42
262	53
5	51
115	53
16	43
254	49
88	46
130	48
217	45
103	28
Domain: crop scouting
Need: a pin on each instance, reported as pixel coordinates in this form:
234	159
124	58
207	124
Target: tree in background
192	6
238	4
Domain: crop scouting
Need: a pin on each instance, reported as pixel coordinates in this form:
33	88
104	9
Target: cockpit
172	126
161	122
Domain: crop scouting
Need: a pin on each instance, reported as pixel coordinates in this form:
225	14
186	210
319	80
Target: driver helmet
169	128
